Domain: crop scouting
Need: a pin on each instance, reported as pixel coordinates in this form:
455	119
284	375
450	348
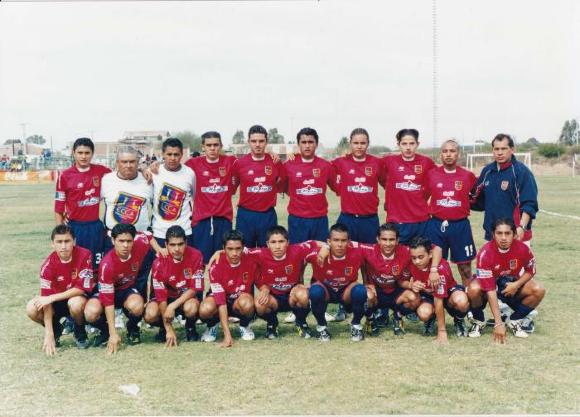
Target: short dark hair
277	230
257	129
61	229
420	241
502	136
504	221
340	228
232	235
172	143
360	131
84	142
307	131
175	232
212	134
121	228
388	227
407	132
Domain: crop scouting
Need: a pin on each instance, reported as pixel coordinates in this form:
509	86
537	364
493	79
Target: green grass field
381	375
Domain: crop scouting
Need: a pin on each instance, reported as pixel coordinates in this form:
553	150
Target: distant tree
36	139
533	142
343	145
550	150
12	141
189	139
238	137
274	136
570	132
378	149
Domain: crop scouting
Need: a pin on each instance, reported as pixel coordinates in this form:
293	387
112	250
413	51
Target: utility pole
435	77
24	137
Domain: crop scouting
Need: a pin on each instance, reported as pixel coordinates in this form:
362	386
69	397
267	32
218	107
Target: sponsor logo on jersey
96	181
458	185
418	169
316	172
359	189
439	185
484	273
80	185
309	190
88	202
368	171
260	188
127	208
268	169
214	189
222	171
448	202
504	185
513	264
288	269
171	201
407	186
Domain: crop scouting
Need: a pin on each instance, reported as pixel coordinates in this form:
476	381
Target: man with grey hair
128	198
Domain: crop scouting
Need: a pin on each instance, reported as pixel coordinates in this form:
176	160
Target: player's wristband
434	268
499	325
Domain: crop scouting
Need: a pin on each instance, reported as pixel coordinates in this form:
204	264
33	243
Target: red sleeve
332	177
530	261
106	285
158	281
217	289
46	277
335	178
485	270
446	281
60	196
85	280
235	176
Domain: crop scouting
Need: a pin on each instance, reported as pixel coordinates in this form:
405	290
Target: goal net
476	161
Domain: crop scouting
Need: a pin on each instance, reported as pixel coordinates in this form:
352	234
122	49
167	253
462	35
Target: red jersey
230	281
282	274
172	278
337	273
116	274
445	275
213	189
493	263
384	273
450	192
406	192
357	183
257	181
305	183
57	276
78	194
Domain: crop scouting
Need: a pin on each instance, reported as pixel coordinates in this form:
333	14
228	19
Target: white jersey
172	199
126	201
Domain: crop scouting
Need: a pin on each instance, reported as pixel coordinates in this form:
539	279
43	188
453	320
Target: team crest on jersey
268	169
245	276
418	169
513	264
135	266
348	270
187	273
127	208
505	185
288	269
458	185
395	269
170	202
369	171
73	274
316	172
222	171
96	181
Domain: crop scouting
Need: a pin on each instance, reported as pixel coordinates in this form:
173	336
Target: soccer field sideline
381	375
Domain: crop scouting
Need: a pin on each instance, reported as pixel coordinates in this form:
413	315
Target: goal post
525	157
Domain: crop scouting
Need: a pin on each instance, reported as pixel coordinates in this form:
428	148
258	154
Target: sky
100	68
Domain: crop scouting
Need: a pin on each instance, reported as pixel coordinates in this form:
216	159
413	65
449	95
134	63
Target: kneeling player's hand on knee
113	344
510	289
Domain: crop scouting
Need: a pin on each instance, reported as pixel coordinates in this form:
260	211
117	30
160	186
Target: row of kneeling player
244	283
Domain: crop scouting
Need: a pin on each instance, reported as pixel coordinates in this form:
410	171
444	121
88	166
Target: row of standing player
354	177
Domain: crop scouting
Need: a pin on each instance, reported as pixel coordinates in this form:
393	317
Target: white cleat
476	328
119	321
516	328
246	333
210	334
290	318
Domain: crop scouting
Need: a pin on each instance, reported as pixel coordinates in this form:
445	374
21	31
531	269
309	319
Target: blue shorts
501	283
207	235
408	231
122	295
90	235
178	311
60	309
428	298
335	296
456	237
385	300
254	225
361	229
283	301
301	229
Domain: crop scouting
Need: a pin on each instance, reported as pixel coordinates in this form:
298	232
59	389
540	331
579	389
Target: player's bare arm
49	344
499	331
223	313
41	302
114	338
166	312
440	315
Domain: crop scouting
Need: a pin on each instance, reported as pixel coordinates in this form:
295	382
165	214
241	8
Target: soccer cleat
329	317
340	313
459	325
101	339
233	319
429	328
246	333
133	334
398	329
381	317
516	328
210	334
290	318
476	328
303	331
356	333
191	334
68	326
271	332
528	326
412	317
119	321
323	334
161	336
80	336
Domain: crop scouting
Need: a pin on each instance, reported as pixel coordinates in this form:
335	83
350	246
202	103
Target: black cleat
161	336
398	328
356	334
134	334
271	331
460	330
382	318
303	331
191	334
101	339
429	329
323	335
80	336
